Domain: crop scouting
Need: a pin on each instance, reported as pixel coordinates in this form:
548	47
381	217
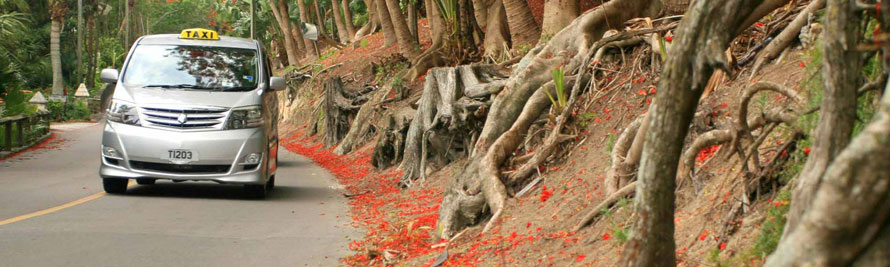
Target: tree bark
279	10
319	17
55	57
523	28
338	21
847	221
407	45
373	21
497	32
704	33
389	32
838	110
304	17
412	20
558	14
347	19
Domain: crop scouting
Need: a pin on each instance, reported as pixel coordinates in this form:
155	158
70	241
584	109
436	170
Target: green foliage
328	54
622	234
70	110
610	143
523	49
559	82
397	81
364	43
772	227
15	103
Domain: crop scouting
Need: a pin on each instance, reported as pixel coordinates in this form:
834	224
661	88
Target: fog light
110	152
252	158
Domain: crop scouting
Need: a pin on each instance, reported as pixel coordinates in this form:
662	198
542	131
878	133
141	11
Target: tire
115	185
145	181
270	185
257	191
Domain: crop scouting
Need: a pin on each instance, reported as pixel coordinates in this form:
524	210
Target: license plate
180	156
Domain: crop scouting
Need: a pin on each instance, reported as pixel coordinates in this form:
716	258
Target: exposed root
614	197
619	153
786	37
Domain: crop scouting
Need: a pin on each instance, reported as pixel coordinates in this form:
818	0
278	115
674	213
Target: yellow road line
56	208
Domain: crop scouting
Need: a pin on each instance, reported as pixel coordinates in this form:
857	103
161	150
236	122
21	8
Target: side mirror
109	75
277	84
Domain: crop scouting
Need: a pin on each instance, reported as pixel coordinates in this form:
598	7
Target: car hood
142	96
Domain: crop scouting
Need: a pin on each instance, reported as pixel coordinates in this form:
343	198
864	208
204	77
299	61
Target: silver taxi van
192	107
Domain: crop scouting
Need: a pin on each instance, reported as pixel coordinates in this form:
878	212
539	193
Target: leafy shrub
71	110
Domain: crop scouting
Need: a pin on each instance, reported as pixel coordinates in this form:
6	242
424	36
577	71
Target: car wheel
145	181
270	184
115	185
257	191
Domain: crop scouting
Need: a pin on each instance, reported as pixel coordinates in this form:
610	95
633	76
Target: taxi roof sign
199	33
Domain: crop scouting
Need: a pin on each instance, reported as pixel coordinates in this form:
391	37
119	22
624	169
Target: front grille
178	168
191	118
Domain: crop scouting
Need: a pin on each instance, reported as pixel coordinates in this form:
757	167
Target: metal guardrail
17	132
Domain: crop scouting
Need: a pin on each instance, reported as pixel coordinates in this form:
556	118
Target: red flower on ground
606	236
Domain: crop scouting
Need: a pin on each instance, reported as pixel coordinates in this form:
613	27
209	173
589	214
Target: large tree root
340	105
785	38
362	122
447	117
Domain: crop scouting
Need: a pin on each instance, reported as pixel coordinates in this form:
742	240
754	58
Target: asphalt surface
304	222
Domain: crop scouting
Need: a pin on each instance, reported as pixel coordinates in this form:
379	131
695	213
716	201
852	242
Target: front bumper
220	154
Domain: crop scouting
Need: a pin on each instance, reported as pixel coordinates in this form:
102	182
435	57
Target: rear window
193	67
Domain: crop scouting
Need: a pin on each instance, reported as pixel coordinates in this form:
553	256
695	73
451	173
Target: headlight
245	117
122	112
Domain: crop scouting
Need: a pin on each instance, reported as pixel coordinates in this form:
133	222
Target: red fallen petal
652	91
669	38
606	236
580	258
806	151
722	246
527	225
802	65
702	237
607	110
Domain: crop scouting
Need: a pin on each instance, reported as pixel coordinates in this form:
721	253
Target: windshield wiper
185	86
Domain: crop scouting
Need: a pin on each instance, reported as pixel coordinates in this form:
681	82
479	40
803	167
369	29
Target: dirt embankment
537	226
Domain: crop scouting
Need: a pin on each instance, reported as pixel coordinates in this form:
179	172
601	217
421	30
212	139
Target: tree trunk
847	222
497	31
319	17
389	32
347	19
704	34
373	20
558	14
436	22
523	28
412	20
338	20
279	10
56	57
304	17
838	110
407	45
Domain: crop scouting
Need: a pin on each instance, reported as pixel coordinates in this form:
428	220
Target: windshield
192	67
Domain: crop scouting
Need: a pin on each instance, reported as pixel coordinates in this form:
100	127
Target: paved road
304	222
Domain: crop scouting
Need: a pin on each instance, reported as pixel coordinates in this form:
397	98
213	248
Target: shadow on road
220	191
293	163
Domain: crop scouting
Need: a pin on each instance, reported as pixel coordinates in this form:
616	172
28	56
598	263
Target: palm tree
57	13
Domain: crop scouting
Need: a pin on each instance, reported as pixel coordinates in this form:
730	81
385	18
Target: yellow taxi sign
199	33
